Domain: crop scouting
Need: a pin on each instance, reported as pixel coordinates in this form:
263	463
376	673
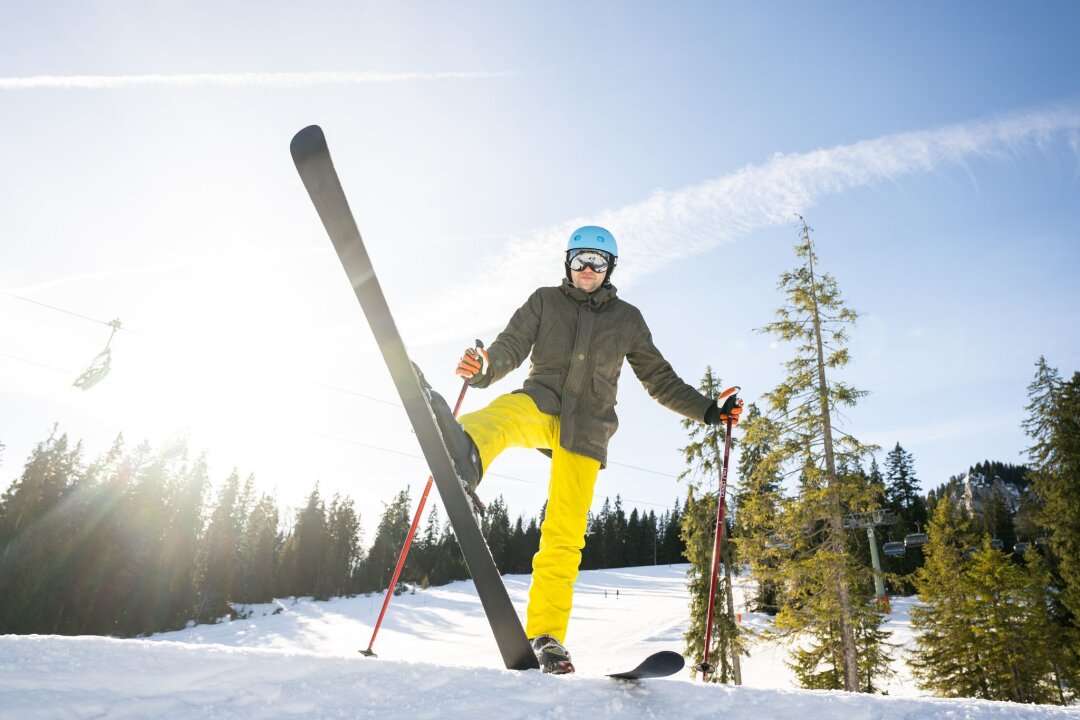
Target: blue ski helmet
593	237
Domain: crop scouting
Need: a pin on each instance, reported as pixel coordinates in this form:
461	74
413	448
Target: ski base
657	665
312	158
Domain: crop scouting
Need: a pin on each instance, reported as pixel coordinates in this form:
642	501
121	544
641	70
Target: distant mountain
977	490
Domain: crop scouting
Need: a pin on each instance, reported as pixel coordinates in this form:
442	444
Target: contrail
248	79
732	206
215	260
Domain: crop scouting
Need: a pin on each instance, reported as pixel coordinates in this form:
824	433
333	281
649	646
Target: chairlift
1020	548
100	365
997	544
969	552
914	540
894	548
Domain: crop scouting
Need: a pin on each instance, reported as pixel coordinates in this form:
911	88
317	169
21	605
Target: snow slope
298	659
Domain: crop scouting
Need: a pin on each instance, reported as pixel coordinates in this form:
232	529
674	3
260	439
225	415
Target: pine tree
311	538
998	521
259	549
520	549
634	544
449	563
877	480
1006	609
220	552
142	525
700	539
901	490
949	658
424	547
341	555
601	536
496	529
820	572
101	548
184	525
651	539
673	547
531	542
757	503
876	652
614	529
817	663
985	629
1052	626
1053	422
703	459
33	536
382	556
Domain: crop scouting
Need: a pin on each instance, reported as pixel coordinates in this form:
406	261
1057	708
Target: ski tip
308	139
657	665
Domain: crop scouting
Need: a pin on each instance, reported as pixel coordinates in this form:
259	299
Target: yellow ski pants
515	421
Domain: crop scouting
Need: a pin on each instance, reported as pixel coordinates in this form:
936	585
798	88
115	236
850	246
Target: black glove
727	404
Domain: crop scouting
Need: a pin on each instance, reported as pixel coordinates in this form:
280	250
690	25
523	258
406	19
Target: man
576	336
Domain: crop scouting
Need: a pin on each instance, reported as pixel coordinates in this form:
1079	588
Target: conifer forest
824	528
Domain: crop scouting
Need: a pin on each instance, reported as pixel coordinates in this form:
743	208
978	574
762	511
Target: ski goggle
598	260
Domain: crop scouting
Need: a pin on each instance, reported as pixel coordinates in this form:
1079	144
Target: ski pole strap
730	400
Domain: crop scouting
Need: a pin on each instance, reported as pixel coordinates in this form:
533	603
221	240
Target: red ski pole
409	538
705	668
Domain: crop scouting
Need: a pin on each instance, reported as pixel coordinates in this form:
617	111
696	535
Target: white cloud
732	206
293	79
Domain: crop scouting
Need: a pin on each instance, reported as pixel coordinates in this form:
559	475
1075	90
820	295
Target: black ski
312	158
657	665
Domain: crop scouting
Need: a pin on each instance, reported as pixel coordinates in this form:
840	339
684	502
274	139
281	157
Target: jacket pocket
604	390
603	413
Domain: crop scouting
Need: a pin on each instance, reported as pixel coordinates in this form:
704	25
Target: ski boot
553	657
462	449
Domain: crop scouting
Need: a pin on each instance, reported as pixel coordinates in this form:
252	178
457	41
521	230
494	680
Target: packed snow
297	658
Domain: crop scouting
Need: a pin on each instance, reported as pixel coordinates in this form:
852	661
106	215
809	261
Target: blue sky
934	148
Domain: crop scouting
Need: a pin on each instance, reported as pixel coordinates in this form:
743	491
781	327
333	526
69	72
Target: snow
297	658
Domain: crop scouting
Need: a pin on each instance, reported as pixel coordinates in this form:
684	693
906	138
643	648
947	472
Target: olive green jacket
577	344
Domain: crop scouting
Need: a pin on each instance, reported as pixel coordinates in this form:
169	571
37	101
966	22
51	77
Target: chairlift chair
917	539
100	365
894	548
997	544
1020	548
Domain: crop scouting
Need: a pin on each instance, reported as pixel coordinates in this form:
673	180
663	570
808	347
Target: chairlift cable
116	326
78	315
34	362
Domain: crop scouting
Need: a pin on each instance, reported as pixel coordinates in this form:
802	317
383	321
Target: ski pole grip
483	356
729	402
